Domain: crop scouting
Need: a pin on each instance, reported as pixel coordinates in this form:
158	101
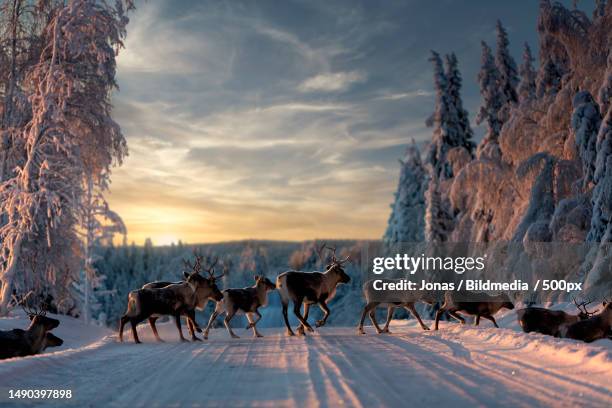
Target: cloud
332	82
404	95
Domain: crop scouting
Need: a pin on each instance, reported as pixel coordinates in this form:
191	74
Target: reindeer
33	340
371	305
192	325
311	288
247	301
174	300
482	308
594	328
551	322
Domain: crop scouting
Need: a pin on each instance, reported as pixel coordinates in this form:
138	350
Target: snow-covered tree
407	220
527	84
508	76
492	96
601	221
70	136
438	220
458	116
449	119
586	121
605	91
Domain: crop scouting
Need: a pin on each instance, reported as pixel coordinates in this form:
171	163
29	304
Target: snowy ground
457	366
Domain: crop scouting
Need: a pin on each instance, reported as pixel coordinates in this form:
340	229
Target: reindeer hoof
196	339
235	337
320	323
426	328
258	335
361	331
290	333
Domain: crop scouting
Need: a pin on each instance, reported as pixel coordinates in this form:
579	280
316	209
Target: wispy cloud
332	81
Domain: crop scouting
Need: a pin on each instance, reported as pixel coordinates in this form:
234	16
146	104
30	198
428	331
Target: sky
284	120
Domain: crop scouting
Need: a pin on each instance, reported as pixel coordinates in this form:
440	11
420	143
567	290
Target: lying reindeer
486	308
310	288
370	307
33	340
594	328
247	301
192	324
174	300
550	322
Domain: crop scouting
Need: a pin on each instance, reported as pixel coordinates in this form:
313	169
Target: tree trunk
8	276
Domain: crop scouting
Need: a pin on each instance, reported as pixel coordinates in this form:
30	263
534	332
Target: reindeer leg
122	322
152	321
192	325
456	316
438	316
253	323
390	311
228	318
286	318
491	318
367	308
134	322
300	328
412	309
477	320
177	320
213	316
325	310
296	310
250	325
374	321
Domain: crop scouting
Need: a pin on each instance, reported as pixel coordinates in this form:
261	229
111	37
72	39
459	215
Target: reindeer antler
30	311
210	269
336	260
319	251
225	270
582	306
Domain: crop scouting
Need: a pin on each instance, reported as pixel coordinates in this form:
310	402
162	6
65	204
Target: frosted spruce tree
407	220
601	221
586	121
459	120
508	75
492	97
70	135
450	121
527	85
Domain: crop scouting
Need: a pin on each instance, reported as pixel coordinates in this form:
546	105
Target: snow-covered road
457	366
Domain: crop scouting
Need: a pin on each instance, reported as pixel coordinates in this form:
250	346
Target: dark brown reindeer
551	322
593	328
174	300
245	300
311	288
192	325
33	340
371	305
486	306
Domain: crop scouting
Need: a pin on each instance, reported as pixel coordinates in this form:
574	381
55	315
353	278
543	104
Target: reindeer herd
302	289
